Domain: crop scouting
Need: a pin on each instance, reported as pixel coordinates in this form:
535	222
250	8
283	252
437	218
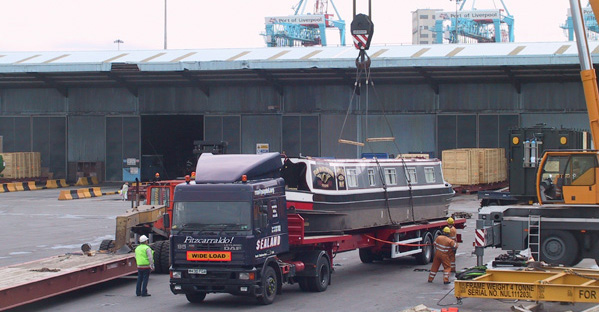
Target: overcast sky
76	25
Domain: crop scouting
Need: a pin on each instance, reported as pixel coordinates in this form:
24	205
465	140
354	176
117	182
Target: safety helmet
446	230
450	220
143	239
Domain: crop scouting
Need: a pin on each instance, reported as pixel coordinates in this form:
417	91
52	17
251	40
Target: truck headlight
176	274
247	276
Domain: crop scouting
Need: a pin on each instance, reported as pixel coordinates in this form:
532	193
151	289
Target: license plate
196	271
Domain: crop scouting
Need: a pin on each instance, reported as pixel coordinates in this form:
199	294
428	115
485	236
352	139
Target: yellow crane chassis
554	284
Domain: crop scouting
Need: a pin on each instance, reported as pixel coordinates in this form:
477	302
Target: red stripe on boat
299	205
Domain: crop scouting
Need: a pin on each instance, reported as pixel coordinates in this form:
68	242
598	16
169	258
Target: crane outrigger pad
550	284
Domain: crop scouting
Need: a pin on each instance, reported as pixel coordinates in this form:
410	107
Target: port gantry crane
301	29
475	25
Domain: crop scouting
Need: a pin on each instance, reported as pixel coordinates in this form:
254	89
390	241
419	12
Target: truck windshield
212	215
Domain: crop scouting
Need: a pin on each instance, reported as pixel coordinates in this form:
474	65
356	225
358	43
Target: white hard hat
143	239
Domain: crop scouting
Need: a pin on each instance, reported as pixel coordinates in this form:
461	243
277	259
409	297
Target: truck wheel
196	297
161	256
303	283
426	255
269	286
366	255
558	247
320	282
106	244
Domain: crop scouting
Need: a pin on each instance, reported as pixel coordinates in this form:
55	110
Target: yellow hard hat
450	220
446	230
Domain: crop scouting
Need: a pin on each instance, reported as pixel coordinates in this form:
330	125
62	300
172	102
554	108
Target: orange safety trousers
453	235
443	248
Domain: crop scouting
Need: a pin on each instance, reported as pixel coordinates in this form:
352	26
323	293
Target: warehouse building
105	112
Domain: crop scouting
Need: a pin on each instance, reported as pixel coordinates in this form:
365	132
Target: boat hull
347	213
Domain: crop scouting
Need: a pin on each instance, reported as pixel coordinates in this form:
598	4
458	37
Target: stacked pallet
472	166
21	165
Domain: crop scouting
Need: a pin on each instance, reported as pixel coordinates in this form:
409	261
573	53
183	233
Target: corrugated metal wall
399	99
225	99
50	139
224	128
305	119
86	139
474	130
122	141
260	129
31	101
413	133
477	97
102	100
558	120
561	97
46	135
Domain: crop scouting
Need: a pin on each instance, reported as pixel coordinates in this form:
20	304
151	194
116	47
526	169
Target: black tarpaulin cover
229	168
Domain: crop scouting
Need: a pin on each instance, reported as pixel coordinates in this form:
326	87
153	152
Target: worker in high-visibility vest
453	234
144	257
443	246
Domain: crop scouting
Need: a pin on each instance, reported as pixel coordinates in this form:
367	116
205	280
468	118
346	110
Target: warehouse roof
433	64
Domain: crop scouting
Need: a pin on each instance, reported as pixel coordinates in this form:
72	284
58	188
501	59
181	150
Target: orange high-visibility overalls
453	235
443	247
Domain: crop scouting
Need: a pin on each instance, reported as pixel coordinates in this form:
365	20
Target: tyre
161	256
558	247
320	282
366	255
106	245
270	286
303	283
196	297
426	256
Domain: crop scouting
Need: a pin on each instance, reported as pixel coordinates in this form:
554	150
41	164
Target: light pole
455	26
118	43
165	24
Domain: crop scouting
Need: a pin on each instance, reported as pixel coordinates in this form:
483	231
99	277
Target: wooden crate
27	165
460	166
10	163
471	166
36	165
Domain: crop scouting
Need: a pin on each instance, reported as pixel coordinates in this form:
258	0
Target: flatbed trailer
377	243
32	281
555	284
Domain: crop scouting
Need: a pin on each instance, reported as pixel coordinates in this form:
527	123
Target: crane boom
588	76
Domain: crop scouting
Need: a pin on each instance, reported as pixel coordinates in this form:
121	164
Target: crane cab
568	177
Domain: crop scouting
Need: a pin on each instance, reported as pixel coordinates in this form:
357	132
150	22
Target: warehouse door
471	130
168	141
122	142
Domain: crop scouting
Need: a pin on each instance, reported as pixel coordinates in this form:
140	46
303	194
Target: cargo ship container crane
304	29
475	25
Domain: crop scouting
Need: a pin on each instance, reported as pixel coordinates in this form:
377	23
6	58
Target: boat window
429	174
412	175
294	175
371	177
352	177
390	176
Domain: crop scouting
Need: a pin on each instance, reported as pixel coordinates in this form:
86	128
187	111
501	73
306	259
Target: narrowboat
345	195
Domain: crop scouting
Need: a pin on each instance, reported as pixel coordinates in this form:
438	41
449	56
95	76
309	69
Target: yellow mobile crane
569	177
563	229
